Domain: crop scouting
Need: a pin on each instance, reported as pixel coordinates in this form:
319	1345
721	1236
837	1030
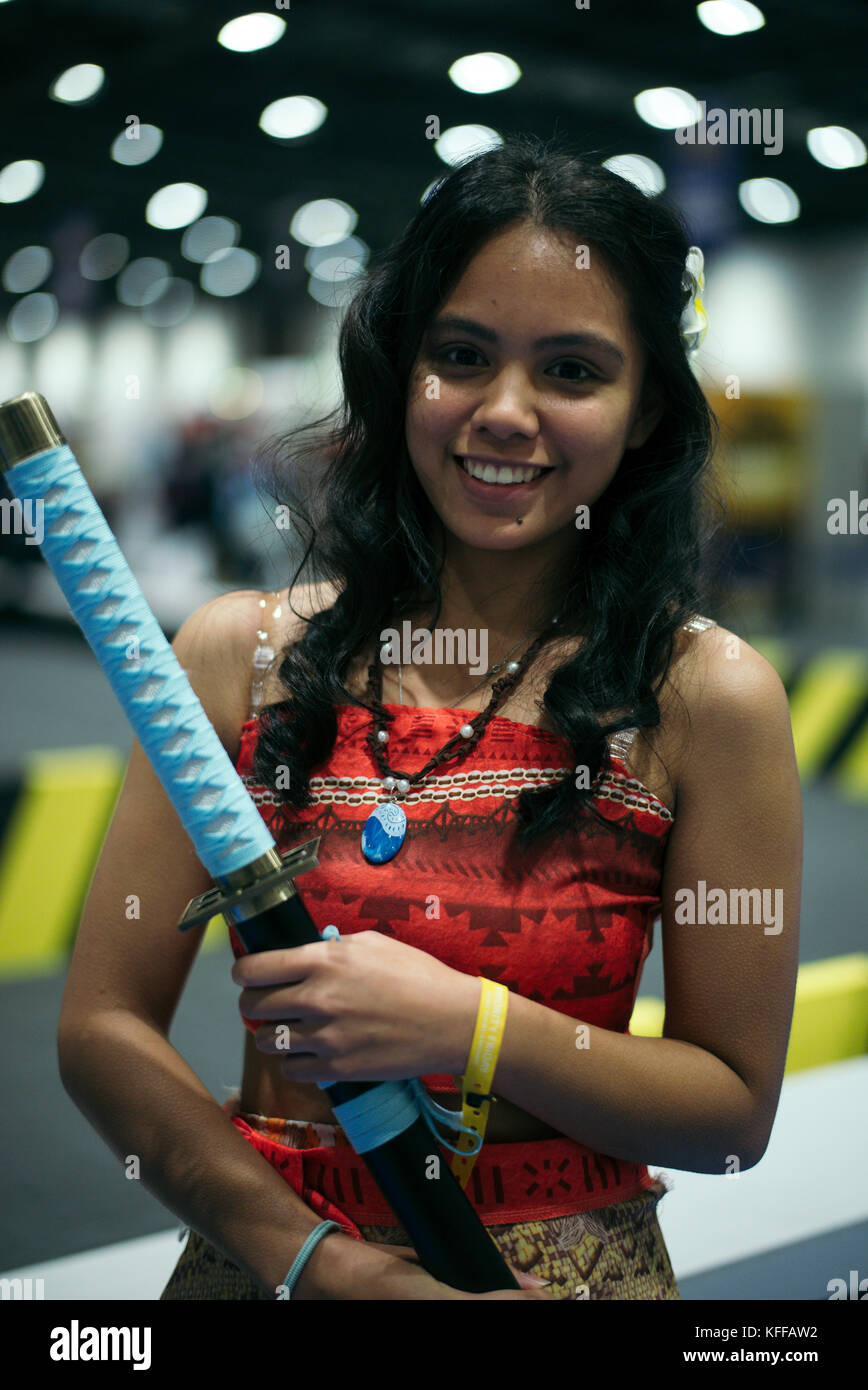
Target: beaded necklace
385	829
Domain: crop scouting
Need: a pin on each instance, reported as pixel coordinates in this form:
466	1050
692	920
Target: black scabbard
448	1236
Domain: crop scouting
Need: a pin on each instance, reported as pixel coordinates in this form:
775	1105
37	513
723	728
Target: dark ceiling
381	69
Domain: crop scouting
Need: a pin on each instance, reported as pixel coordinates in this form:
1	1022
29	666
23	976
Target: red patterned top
568	925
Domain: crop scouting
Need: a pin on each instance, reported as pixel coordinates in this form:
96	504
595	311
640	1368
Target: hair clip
694	320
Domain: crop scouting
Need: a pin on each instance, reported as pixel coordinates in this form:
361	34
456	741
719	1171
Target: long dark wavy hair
639	571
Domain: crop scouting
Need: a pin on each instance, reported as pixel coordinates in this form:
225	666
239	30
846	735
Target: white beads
264	655
403	786
512	667
466	731
382	736
389	783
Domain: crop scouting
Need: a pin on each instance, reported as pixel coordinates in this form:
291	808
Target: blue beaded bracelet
301	1258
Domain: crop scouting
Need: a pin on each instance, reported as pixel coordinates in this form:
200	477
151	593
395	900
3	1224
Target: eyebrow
592	340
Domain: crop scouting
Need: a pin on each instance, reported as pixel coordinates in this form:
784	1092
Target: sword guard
272	884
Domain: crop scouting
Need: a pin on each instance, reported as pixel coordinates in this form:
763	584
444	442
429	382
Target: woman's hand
382	1273
362	1007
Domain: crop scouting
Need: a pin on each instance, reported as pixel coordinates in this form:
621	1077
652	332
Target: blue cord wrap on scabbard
385	1111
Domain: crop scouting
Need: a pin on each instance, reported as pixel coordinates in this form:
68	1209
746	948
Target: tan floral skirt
616	1251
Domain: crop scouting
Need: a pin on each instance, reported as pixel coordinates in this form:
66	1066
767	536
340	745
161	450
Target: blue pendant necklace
385	829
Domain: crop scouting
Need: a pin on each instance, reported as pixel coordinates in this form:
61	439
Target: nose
507	405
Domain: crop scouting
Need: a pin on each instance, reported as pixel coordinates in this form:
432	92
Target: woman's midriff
264	1091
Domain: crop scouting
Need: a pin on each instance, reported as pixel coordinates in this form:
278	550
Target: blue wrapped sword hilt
109	607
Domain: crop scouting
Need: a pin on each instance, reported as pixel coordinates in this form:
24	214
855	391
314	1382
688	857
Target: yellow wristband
479	1074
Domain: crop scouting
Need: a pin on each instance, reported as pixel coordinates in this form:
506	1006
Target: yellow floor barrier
777	653
51	845
60	819
851	771
830	1017
830	1013
216	936
825	699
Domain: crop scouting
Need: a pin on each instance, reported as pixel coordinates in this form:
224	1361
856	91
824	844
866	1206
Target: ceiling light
141	281
32	318
639	170
21	180
351	249
104	256
462	142
27	269
836	147
667	108
136	144
229	272
323	222
729	17
209	235
78	83
769	200
250	32
176	205
291	117
336	268
484	72
333	294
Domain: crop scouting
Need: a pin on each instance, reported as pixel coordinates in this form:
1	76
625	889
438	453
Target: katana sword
254	882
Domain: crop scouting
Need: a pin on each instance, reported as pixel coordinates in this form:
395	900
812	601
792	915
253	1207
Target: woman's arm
709	1088
125	979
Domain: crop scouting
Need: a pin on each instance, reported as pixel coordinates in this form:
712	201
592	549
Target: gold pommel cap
27	428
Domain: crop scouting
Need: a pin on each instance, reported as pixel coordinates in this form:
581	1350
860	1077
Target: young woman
599	756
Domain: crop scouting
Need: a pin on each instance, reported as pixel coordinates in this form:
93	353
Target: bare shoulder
286	615
217	643
215	646
717	672
721	693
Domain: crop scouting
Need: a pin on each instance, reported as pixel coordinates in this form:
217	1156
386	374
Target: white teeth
488	473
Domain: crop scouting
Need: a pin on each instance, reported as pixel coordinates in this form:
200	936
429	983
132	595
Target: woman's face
489	389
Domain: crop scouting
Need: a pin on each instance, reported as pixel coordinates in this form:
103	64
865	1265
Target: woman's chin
498	533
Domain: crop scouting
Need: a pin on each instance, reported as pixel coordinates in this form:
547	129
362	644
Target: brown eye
444	355
580	366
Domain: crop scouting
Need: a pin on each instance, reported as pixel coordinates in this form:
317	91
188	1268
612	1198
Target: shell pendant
383	833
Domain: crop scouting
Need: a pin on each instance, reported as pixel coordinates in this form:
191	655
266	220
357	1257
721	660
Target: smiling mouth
505	475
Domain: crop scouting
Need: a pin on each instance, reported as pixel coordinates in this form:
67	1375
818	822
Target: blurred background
188	196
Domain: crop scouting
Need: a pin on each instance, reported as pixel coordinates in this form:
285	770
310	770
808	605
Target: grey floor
64	1190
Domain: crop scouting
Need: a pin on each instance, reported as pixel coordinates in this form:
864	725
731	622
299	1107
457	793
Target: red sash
527	1180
